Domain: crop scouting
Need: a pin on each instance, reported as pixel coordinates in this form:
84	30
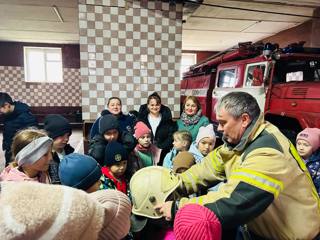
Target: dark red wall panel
11	53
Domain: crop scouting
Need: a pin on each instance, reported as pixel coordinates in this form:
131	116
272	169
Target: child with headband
31	149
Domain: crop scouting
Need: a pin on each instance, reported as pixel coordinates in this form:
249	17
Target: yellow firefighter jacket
267	185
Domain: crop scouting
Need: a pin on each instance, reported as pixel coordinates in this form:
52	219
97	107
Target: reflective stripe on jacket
267	185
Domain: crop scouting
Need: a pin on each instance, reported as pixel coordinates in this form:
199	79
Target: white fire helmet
150	186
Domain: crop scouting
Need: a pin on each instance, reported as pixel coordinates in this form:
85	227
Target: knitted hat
5	98
108	122
79	171
31	210
118	209
183	159
114	153
312	136
56	125
195	222
205	132
141	129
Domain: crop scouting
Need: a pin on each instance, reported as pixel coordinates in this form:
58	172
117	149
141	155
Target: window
43	64
187	60
296	70
227	78
255	75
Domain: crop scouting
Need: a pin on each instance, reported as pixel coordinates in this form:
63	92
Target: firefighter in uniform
267	187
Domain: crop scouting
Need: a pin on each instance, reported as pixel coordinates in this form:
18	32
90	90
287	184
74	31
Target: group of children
119	149
197	150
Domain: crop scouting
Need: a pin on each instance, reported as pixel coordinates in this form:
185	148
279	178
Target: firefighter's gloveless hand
164	209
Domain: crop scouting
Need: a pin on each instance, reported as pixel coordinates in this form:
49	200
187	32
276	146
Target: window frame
45	51
265	63
224	70
194	55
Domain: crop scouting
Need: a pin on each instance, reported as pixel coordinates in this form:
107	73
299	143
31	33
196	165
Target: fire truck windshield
296	70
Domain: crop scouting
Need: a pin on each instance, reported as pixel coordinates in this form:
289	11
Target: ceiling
214	25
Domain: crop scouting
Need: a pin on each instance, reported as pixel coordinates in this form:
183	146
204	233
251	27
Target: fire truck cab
285	82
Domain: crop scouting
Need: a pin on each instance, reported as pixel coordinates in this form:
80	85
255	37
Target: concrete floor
76	141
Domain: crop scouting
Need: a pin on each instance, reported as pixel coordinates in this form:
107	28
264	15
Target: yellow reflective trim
197	200
297	157
258	184
260	180
192	181
261	175
303	166
193	200
215	162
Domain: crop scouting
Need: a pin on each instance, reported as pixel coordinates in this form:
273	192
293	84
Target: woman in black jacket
159	119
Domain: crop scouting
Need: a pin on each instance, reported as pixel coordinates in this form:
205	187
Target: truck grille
299	91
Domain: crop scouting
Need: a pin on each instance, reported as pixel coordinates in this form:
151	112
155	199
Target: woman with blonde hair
191	118
31	149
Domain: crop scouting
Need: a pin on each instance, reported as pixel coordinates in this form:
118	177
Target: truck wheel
290	134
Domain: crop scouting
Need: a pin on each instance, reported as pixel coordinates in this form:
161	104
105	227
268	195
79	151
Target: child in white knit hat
30	210
31	149
204	143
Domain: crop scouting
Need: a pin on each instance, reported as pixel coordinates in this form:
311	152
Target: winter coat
268	186
110	182
98	144
193	129
313	165
168	159
11	173
135	162
126	123
195	152
53	170
20	118
163	138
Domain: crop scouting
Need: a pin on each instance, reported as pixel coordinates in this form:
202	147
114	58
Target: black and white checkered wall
129	49
67	93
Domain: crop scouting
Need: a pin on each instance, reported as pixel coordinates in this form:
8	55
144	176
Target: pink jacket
13	174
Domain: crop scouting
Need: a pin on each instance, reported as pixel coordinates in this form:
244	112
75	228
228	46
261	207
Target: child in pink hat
308	146
145	153
196	222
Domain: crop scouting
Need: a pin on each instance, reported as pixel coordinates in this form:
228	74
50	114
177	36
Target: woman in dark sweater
126	122
159	119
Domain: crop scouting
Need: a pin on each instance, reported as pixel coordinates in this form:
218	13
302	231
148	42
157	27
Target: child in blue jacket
308	146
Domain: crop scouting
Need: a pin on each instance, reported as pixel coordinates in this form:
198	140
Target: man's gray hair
237	103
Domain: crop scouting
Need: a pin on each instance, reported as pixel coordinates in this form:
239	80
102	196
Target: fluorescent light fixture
56	10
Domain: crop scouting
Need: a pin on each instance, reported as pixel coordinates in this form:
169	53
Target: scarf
191	120
120	183
141	148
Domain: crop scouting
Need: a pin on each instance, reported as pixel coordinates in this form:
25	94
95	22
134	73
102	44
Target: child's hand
164	209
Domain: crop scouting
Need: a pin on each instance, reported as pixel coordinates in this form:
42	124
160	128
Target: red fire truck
286	82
